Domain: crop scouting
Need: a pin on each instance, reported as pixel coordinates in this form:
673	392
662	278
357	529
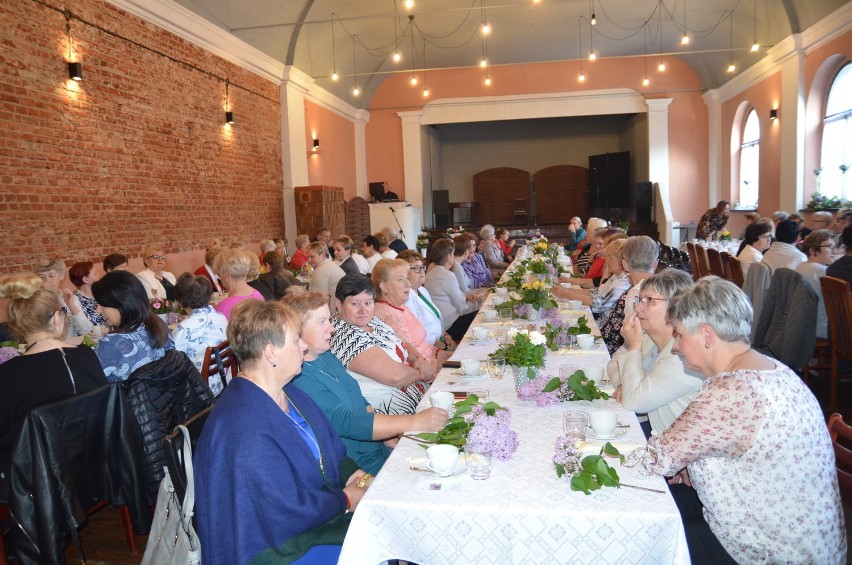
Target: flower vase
164	318
524	374
532	314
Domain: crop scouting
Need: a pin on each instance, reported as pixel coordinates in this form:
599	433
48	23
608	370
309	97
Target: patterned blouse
711	224
611	329
90	308
605	297
204	328
349	341
478	273
409	329
121	354
761	460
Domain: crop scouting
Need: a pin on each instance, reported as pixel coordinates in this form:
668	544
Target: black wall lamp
316	145
773	113
229	114
75	70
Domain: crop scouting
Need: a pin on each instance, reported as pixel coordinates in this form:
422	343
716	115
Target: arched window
750	163
837	137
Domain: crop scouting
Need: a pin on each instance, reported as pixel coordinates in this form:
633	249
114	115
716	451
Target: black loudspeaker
609	180
441	208
644	201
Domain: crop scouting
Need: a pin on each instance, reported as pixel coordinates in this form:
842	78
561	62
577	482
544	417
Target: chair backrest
693	260
714	262
173	447
841	438
725	255
219	360
837	296
521	205
703	261
735	271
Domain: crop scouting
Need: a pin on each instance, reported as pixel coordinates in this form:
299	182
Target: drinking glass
497	367
574	424
506	314
479	464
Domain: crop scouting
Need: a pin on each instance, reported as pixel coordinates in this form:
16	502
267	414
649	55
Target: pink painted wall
334	163
763	96
688	130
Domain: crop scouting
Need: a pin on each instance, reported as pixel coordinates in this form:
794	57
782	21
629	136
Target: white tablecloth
522	513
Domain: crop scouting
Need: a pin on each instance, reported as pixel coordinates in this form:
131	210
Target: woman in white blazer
157	282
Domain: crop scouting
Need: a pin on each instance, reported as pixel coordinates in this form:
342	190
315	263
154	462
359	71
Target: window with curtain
837	138
750	163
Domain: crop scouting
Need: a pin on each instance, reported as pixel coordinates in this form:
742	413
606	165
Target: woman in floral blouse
753	443
713	221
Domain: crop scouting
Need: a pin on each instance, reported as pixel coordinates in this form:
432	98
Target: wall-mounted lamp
75	70
229	114
229	117
773	113
316	145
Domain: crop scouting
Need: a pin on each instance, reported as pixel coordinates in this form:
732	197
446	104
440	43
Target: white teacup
470	366
497	300
575	304
480	333
442	458
603	423
565	285
441	399
586	341
501	291
594	374
490	315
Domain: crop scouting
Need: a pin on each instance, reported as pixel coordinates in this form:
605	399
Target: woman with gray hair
233	267
639	261
491	251
650	378
753	443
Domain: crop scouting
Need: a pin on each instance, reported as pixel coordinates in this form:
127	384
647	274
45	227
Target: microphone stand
401	233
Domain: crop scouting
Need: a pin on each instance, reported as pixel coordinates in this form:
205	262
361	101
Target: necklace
36	342
309	432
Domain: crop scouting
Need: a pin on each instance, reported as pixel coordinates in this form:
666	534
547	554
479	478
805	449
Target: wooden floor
104	542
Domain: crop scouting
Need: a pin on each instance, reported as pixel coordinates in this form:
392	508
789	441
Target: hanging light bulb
409	4
582	77
426	92
487	80
661	67
335	76
684	39
732	67
592	55
594	20
356	91
397	56
646	81
486	27
413	80
483	62
755	47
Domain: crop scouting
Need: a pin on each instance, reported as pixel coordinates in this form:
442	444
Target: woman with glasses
649	378
157	282
420	302
49	370
819	247
758	237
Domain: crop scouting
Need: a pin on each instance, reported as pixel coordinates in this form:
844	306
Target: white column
658	166
791	118
412	157
294	150
361	184
714	123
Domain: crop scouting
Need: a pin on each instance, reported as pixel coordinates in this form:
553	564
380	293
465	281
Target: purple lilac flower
521	310
549	312
7	353
567	455
493	433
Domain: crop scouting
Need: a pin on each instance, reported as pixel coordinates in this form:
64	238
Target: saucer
474	341
618	434
461	374
460	469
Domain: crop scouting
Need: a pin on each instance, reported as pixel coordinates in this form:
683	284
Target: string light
483	62
356	91
594	20
486	27
684	40
334	75
731	66
755	46
397	56
425	87
581	77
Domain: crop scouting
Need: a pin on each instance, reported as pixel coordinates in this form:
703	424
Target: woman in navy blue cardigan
273	483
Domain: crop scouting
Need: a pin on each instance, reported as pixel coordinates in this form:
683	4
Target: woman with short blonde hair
157	282
233	267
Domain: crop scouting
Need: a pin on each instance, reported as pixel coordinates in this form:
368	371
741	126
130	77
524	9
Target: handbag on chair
173	540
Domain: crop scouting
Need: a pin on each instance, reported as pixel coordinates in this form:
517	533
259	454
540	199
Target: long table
522	513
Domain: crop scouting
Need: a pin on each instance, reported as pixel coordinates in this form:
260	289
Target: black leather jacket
163	394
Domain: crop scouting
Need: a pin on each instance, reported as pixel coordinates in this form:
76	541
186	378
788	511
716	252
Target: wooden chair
735	271
219	360
838	304
714	262
725	255
840	430
693	260
703	261
520	208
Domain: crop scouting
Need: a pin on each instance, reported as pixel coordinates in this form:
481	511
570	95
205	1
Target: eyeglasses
419	268
646	300
160	257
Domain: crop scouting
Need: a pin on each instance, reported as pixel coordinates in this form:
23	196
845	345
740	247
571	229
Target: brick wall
136	153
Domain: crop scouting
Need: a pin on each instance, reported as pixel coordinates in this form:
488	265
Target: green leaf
611	451
428	436
560	470
552	384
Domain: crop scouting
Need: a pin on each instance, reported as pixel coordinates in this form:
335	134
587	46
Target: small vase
524	374
532	314
164	318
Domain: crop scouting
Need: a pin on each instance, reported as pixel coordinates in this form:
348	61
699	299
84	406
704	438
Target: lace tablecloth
522	513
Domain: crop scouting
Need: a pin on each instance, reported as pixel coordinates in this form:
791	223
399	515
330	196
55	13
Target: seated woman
300	256
475	268
491	251
390	277
650	378
206	270
421	304
272	480
758	237
456	309
586	251
276	277
157	282
602	299
746	442
233	267
253	279
595	273
51	272
48	371
819	247
138	336
203	327
115	261
82	275
392	377
328	384
576	234
505	244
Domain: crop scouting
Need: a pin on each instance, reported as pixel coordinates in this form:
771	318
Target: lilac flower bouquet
546	390
589	473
